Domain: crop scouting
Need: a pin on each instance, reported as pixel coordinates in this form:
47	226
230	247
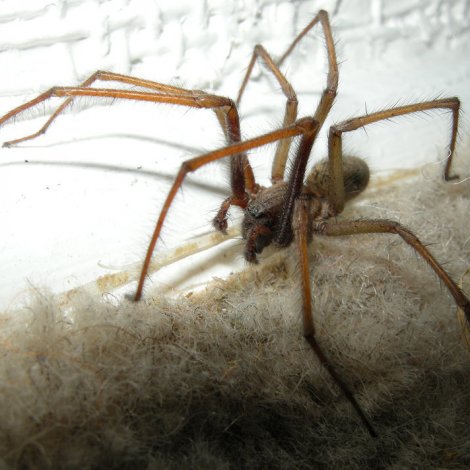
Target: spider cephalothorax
293	208
262	215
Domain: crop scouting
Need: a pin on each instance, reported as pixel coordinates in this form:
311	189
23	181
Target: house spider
294	208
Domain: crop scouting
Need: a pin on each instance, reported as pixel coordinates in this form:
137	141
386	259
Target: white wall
92	186
390	50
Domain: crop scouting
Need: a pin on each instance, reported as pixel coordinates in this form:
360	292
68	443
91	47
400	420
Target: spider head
356	177
261	219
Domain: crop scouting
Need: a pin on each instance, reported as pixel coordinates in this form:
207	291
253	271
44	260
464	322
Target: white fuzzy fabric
224	379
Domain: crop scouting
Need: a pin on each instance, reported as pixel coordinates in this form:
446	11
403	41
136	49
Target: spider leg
336	192
329	93
301	227
327	97
304	127
356	227
152	85
290	114
284	233
241	173
102	76
194	99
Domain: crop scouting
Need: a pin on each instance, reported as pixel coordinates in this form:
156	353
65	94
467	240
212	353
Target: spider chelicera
295	208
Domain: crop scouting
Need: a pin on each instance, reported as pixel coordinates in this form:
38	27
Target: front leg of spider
301	226
283	212
312	204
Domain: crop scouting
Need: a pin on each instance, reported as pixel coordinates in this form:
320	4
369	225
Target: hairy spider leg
356	227
302	229
335	153
294	188
242	177
231	134
290	113
105	77
327	98
295	223
305	127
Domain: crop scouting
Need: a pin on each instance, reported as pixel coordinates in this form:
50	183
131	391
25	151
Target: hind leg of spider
336	189
301	226
356	227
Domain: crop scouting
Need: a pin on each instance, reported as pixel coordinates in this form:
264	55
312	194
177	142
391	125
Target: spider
294	208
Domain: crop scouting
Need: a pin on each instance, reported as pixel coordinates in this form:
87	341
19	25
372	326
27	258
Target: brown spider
295	208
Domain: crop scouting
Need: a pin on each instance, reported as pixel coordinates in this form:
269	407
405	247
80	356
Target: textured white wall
93	184
390	50
43	43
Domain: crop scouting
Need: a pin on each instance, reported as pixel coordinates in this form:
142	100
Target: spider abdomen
356	177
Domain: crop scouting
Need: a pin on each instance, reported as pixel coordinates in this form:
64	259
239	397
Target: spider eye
256	211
